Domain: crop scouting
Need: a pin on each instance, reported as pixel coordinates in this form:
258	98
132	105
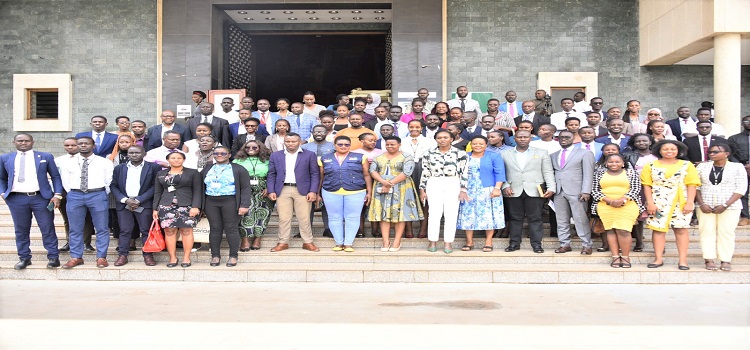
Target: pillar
727	81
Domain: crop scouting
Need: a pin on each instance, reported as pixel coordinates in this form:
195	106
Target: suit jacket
739	144
602	131
538	121
270	143
145	193
597	148
306	172
694	146
45	165
268	127
109	140
220	131
241	140
537	171
676	127
154	136
605	140
576	176
504	107
242	192
467	136
188	189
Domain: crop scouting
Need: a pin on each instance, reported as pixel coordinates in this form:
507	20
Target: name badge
254	182
170	189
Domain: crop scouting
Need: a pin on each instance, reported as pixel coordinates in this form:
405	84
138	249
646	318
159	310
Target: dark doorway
326	64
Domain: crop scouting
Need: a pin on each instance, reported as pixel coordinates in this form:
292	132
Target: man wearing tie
86	177
512	107
462	101
588	143
220	125
26	190
558	119
469	122
530	115
267	118
697	146
104	142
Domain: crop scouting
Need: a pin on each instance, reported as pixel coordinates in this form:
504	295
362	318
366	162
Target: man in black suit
156	132
220	125
682	124
133	188
698	145
740	144
593	119
536	119
471	127
104	142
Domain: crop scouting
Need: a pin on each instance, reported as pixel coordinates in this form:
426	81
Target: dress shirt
301	124
319	148
558	119
30	183
529	117
290	160
549	146
581	107
418	150
206	118
231	116
430	134
469	105
614	140
165	128
521	157
590	147
567	154
133	182
707	140
485	132
100	172
688	126
401	129
470	129
159	154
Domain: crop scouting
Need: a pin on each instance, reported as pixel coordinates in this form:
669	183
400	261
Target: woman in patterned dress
669	185
394	197
254	157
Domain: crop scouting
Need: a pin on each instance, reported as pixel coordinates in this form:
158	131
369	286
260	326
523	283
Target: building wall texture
501	45
109	48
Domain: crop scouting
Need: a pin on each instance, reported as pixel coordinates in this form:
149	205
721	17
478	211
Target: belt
290	184
30	194
89	190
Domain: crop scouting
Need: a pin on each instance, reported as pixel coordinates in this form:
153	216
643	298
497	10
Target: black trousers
130	222
223	218
530	208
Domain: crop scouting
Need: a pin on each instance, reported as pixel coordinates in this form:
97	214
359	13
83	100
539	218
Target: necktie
85	175
463	105
319	151
567	115
298	118
562	157
685	120
22	171
705	149
588	147
526	117
512	109
203	119
395	128
262	117
98	141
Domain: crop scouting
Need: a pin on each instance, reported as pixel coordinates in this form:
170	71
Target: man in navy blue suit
26	190
471	127
104	142
614	127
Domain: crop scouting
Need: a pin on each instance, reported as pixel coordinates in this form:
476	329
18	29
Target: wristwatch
724	205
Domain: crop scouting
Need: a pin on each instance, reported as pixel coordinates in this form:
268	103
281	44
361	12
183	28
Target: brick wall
109	48
502	45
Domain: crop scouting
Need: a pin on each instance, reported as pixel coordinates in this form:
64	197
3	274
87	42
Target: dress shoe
683	267
279	247
215	262
377	235
512	248
586	251
360	234
602	249
310	246
121	260
744	222
65	248
101	263
232	262
89	248
22	263
563	249
538	250
148	259
54	262
73	262
327	233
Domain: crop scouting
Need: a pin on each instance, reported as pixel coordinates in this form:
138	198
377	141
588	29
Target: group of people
370	161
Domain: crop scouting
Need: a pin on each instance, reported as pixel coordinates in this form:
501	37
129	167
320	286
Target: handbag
155	242
597	226
201	231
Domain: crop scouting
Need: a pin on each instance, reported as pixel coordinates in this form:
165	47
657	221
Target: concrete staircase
368	264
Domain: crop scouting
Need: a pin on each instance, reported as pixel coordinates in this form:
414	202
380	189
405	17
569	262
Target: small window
43	104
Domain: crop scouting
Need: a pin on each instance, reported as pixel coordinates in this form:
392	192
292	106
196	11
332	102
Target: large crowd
448	165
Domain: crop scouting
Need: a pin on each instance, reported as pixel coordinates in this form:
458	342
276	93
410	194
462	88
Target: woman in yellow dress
616	194
669	185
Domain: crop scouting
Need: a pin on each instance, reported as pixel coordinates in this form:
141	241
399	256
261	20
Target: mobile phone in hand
51	206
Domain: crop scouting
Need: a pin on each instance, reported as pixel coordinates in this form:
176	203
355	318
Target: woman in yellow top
669	185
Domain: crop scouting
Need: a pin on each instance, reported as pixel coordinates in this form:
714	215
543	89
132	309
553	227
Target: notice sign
184	111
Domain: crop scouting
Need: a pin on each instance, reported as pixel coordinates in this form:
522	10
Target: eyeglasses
597	103
343	144
654	114
716	152
221	154
746	122
252	147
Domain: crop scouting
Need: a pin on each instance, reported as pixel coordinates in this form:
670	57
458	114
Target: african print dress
669	190
255	222
400	204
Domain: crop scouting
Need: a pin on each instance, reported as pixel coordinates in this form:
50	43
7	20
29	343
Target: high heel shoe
448	249
432	247
385	249
174	263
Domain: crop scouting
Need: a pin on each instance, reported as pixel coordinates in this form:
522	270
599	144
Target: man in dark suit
594	120
236	129
683	123
104	142
293	182
386	130
697	146
471	126
156	132
432	126
536	119
740	144
26	190
133	189
220	125
614	129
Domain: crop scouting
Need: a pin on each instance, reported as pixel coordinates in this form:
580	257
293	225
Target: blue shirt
319	149
220	180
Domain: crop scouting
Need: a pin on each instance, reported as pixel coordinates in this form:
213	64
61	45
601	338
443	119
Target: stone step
387	272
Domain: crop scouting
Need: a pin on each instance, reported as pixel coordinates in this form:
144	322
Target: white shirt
688	126
101	136
133	181
430	134
581	107
469	105
315	110
700	144
590	149
567	154
717	130
100	172
417	150
401	129
521	157
159	155
529	117
290	159
231	116
30	183
558	119
165	128
549	146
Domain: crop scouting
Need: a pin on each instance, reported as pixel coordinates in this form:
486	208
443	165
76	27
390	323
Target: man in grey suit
574	172
527	170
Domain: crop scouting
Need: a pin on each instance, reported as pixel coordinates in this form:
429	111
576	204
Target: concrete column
727	82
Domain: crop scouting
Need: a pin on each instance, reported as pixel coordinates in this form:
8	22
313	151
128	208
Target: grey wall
108	47
502	45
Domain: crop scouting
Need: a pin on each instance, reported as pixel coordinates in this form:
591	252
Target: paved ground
89	315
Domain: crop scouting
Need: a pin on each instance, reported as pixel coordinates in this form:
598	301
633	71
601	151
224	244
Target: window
43	103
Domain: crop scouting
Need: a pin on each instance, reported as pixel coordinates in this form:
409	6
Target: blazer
676	127
268	127
491	168
538	121
467	136
504	107
45	165
306	172
220	131
694	146
576	175
605	140
145	193
597	148
241	140
154	136
538	171
108	142
188	189
242	193
740	147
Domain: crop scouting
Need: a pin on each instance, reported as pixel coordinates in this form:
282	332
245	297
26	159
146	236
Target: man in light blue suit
588	143
512	107
266	117
104	142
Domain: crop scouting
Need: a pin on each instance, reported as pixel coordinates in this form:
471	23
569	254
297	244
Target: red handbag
155	242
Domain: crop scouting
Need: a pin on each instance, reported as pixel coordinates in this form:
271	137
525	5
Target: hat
200	93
